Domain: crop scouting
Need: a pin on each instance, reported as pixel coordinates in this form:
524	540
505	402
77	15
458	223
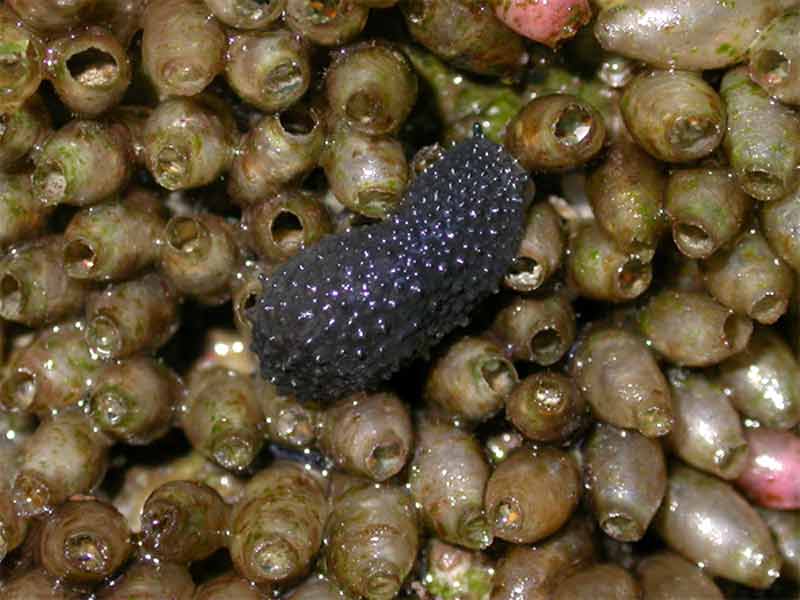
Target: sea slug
347	313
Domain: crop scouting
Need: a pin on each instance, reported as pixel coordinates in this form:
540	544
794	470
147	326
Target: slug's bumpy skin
348	312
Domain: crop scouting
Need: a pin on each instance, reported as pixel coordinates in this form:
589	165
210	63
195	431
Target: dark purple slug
348	312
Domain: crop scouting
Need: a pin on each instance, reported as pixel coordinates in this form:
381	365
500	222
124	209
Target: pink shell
772	476
546	21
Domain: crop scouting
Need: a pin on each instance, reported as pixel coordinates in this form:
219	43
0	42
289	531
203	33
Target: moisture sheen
350	311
